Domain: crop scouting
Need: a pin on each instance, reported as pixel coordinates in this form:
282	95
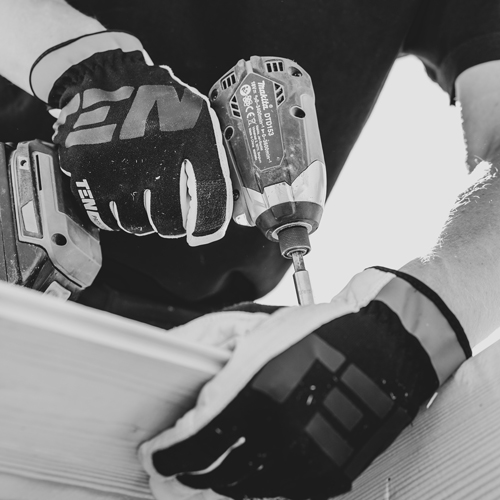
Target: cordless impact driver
271	134
268	118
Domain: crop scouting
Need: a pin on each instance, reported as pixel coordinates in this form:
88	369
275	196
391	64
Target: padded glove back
144	150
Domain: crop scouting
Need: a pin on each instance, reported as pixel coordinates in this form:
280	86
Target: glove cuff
423	313
54	62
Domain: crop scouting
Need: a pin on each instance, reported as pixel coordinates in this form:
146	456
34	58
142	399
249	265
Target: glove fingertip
65	172
195	241
96	219
114	210
205	221
147	207
185	189
82	192
224	165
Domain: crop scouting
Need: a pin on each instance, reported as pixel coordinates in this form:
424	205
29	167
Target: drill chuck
294	244
294	239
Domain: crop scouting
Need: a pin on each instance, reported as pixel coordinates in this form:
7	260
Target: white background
395	191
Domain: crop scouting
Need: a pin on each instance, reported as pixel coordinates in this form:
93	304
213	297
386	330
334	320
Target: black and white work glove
311	395
143	149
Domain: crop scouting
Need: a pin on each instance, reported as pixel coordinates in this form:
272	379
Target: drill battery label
259	112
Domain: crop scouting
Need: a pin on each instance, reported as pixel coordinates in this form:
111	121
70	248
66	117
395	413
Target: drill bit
301	280
294	244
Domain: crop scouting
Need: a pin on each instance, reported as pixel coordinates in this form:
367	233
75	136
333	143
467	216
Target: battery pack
45	243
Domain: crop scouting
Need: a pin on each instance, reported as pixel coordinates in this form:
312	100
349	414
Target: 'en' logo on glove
173	114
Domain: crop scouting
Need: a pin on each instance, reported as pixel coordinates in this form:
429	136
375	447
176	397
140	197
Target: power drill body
271	133
266	109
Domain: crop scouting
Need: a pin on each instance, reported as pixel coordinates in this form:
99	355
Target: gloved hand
143	149
311	395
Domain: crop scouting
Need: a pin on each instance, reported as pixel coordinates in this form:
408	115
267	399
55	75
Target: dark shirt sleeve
450	36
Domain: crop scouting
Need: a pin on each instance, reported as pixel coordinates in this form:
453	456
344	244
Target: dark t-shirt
347	46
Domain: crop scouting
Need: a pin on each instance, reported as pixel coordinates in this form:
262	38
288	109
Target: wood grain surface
79	391
452	449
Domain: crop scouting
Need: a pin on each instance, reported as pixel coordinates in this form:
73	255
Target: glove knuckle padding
316	415
126	127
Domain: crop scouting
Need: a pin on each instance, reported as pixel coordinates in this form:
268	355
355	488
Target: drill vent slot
273	66
279	92
233	103
228	81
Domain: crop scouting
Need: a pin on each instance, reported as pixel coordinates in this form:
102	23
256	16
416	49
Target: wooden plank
452	450
80	390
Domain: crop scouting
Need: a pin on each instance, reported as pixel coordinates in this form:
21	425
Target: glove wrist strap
57	60
425	316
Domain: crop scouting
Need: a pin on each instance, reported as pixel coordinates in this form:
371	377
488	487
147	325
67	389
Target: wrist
30	27
53	63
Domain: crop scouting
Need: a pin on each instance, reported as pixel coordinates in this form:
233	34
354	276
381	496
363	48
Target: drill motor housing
271	134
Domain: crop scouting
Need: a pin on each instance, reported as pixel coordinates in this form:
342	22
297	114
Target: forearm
478	95
29	27
464	266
